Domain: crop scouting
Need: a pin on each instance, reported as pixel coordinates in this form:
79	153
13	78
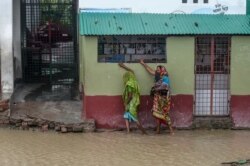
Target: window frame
115	49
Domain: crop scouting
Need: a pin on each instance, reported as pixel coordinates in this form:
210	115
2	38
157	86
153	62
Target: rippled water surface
185	148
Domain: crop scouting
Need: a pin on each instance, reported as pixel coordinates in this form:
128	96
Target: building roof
163	24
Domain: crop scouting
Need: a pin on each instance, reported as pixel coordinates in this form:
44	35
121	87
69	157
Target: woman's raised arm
149	69
125	67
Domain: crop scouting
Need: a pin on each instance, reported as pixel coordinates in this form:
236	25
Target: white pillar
6	46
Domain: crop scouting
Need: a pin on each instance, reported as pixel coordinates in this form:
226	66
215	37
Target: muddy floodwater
185	148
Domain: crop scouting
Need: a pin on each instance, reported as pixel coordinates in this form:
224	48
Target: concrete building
204	55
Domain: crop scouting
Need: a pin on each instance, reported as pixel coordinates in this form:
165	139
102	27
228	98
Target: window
195	1
205	1
184	1
131	49
220	57
212	75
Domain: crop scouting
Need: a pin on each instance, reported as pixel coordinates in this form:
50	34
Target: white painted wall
6	46
170	6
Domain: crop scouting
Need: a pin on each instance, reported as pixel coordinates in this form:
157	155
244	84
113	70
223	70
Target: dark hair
160	66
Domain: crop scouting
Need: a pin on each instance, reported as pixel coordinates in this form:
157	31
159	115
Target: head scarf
163	71
130	82
159	74
128	77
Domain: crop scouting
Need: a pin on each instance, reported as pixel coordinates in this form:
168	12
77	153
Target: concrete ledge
212	123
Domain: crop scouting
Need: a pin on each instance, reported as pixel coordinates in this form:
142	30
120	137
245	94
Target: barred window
131	49
213	54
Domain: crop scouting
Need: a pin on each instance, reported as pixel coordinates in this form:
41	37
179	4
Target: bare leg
158	126
127	125
141	128
171	129
168	121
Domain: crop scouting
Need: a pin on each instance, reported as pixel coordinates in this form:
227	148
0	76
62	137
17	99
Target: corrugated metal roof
163	24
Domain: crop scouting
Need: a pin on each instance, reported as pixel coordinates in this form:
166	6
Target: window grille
131	49
212	75
49	41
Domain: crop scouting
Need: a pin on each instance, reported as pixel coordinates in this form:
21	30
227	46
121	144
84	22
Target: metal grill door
212	73
49	47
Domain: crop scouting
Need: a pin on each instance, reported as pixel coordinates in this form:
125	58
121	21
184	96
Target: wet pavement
54	103
185	148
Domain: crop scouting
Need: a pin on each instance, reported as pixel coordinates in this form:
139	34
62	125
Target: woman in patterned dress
162	99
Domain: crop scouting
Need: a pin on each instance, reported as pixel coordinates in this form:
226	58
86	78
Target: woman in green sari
131	98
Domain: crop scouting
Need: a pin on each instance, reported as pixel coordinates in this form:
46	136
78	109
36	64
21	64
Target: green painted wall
81	60
180	64
106	78
240	65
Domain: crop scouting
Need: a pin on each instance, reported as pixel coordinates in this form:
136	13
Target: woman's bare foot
171	131
158	131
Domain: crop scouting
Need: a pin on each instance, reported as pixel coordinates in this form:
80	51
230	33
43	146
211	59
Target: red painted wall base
108	111
240	111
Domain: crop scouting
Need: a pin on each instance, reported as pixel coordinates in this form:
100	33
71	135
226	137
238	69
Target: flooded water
185	148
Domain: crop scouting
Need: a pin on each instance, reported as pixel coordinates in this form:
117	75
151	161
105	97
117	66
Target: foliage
57	11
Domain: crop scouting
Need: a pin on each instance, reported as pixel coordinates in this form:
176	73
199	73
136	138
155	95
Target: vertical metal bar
195	74
31	16
75	43
50	54
212	76
228	63
22	37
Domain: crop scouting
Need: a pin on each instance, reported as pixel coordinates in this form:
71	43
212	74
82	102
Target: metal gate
212	73
49	41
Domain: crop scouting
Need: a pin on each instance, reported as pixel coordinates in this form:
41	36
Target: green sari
132	87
